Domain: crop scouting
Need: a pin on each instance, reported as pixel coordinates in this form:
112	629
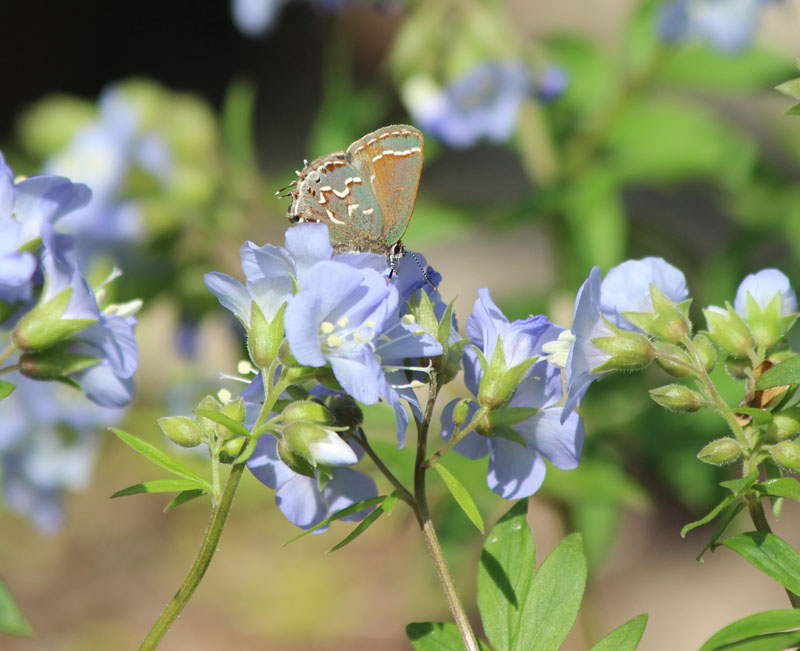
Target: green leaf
787	372
505	576
437	636
353	508
793	110
709	516
704	68
624	638
6	388
739	486
760	416
461	495
12	621
160	486
555	597
158	457
783	487
389	502
361	528
770	621
768	553
217	416
723	526
183	497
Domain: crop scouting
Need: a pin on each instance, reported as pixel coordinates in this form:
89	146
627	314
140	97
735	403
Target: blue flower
47	445
626	288
300	498
728	25
552	83
349	318
16	267
763	286
270	271
517	470
255	18
484	103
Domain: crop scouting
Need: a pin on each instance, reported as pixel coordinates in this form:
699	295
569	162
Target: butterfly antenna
422	270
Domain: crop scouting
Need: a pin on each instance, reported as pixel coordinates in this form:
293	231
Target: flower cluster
55	330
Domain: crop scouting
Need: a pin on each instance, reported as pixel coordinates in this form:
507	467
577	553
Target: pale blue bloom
763	286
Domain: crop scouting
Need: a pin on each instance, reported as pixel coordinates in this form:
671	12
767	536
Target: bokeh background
618	134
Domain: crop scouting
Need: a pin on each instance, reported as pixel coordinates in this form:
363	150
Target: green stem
429	532
7	353
405	494
219	514
8	369
457	436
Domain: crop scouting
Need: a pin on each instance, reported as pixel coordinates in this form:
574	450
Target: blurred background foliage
558	136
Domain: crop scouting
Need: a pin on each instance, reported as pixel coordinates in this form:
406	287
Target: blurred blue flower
300	498
103	154
763	286
517	470
16	268
483	103
255	18
552	83
47	445
626	288
728	25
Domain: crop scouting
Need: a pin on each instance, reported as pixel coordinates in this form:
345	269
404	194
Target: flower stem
7	353
219	515
458	436
405	494
429	532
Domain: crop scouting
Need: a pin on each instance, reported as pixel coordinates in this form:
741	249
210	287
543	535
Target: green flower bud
295	461
181	430
308	411
787	455
785	425
706	351
231	449
208	426
720	452
264	337
55	363
729	331
677	398
461	412
44	326
234	410
499	382
628	351
673	350
667	321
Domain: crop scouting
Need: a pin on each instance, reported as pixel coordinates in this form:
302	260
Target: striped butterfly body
366	194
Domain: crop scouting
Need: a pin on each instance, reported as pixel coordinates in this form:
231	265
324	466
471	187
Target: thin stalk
405	494
457	436
8	369
219	514
7	353
429	532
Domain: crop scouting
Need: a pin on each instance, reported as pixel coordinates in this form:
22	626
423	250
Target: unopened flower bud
785	425
235	411
264	337
208	426
231	449
181	430
787	455
499	382
293	460
729	331
677	397
706	351
345	411
308	411
55	363
45	324
461	412
675	369
720	452
628	351
317	445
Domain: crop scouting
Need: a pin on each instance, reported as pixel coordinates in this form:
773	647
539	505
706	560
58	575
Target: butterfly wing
389	160
333	192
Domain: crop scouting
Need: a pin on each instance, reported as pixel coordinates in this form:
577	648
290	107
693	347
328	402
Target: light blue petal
231	294
301	502
360	377
301	322
514	471
561	443
763	286
266	465
345	488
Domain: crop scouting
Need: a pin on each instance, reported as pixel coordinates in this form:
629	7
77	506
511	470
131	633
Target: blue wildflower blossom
16	267
517	470
763	286
349	318
599	302
728	25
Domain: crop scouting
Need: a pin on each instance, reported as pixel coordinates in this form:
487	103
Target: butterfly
366	194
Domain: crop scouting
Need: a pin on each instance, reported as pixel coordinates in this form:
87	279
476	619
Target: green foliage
770	554
624	638
787	372
437	636
353	508
760	632
6	388
12	621
461	495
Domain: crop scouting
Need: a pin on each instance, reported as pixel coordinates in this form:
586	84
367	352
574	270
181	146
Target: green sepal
12	621
505	433
264	337
6	389
460	495
667	321
353	508
628	351
218	417
183	497
159	458
181	430
422	310
729	331
55	363
160	486
790	88
43	326
759	630
499	382
309	411
233	448
625	637
770	554
510	416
